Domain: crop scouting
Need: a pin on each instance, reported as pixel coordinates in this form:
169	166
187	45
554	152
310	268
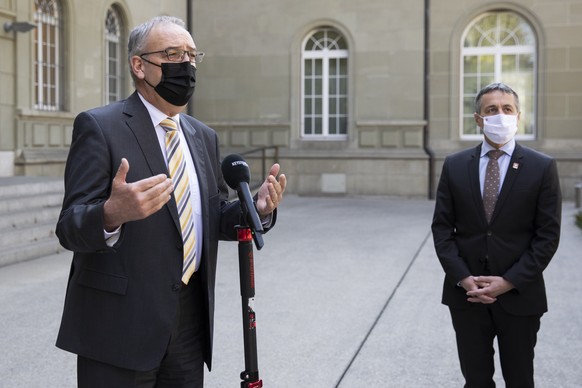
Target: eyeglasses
177	55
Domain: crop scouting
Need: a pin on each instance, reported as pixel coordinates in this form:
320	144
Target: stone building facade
74	58
360	98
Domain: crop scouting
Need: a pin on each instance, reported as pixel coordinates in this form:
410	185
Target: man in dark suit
139	306
495	230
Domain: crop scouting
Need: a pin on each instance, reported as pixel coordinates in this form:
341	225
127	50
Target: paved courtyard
347	295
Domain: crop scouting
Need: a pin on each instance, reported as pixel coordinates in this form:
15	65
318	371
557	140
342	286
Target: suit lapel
515	166
197	151
474	181
140	123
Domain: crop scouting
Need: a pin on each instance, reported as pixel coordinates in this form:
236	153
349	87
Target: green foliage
579	219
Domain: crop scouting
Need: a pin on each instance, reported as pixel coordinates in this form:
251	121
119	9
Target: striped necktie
179	175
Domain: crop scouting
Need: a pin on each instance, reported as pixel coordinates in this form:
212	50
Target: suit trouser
476	329
182	365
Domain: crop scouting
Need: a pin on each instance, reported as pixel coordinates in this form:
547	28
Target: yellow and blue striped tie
179	175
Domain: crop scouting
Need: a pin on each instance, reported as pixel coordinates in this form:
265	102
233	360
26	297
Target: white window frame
47	12
498	51
113	28
327	50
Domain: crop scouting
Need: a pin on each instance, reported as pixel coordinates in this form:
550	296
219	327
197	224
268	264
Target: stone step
29	209
24	186
45	215
25	202
26	234
29	251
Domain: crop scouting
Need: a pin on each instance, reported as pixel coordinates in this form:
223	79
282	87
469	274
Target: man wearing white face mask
496	226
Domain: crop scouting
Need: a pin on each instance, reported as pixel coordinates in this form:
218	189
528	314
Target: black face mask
177	83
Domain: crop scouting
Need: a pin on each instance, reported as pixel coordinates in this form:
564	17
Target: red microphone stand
250	376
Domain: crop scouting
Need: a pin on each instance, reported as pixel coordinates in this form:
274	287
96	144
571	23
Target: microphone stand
250	376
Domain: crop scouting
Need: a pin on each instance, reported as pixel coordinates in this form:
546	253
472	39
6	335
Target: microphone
237	175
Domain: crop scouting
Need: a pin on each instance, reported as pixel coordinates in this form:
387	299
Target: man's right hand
136	200
471	284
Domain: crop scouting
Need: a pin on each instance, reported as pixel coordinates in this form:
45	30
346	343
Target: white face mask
500	128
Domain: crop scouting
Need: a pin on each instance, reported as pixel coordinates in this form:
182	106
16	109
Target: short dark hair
491	88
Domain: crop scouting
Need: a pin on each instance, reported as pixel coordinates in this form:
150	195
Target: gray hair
491	88
138	36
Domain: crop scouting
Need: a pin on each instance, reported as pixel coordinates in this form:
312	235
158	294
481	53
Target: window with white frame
47	64
114	74
499	47
324	103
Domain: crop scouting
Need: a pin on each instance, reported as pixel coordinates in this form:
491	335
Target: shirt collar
507	148
157	115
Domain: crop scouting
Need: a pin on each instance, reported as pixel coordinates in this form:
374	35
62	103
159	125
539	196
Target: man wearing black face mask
178	79
145	205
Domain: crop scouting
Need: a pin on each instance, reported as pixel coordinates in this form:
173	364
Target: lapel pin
515	166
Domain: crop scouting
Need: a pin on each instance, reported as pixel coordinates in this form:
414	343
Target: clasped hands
138	200
485	289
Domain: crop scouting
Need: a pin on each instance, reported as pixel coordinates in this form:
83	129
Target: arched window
325	85
499	47
47	64
114	62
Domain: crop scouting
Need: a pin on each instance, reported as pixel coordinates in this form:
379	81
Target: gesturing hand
271	191
136	200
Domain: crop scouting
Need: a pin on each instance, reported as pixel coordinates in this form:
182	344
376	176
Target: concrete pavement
347	295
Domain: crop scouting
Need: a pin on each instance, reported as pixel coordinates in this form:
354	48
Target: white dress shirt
503	161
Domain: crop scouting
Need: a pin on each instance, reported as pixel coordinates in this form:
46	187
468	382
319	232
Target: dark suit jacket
121	301
521	238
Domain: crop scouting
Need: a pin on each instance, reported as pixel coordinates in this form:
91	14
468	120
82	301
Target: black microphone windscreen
235	170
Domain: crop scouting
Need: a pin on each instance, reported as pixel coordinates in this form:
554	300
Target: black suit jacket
517	244
121	301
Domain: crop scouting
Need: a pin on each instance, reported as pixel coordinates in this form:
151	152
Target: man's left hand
271	191
490	287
